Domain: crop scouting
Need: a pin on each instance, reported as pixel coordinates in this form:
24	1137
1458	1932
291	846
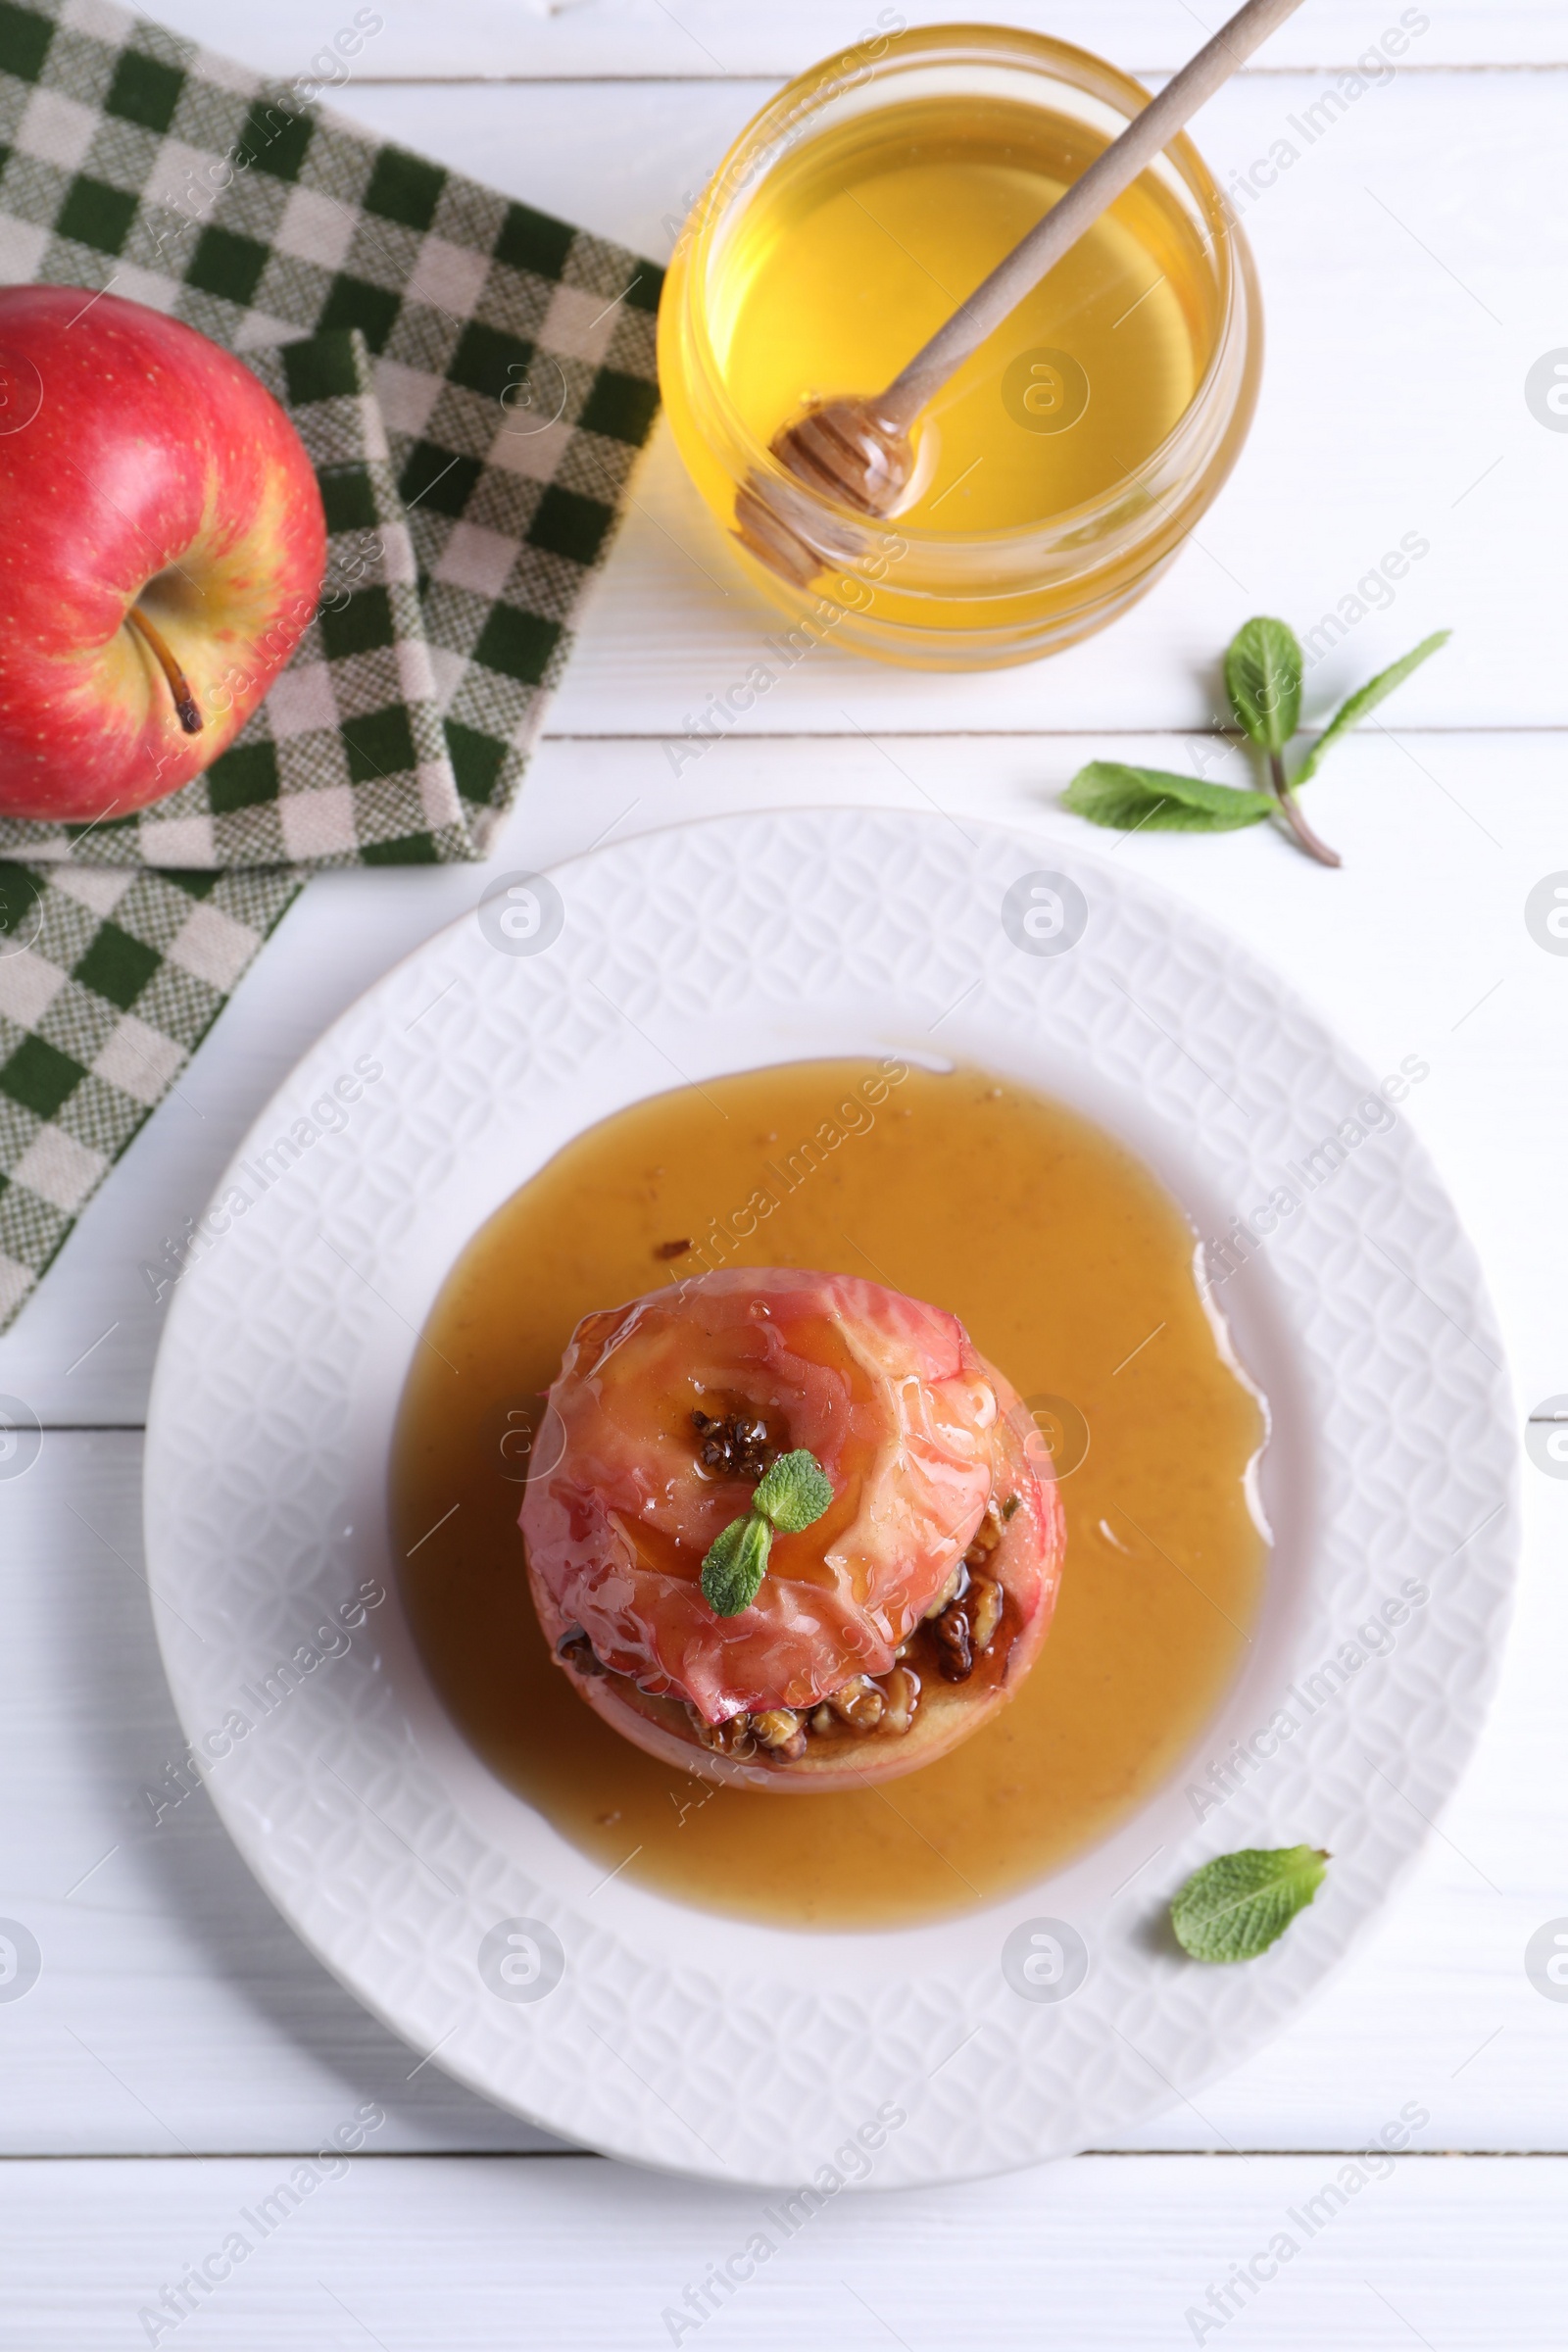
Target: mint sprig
1235	1906
1264	671
790	1496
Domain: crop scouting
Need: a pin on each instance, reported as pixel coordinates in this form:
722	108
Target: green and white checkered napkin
473	381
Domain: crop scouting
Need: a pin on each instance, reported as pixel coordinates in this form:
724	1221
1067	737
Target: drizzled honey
1072	1270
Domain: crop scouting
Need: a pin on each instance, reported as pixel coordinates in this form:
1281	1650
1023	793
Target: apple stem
191	719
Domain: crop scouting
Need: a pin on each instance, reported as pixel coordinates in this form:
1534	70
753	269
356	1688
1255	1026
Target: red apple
161	552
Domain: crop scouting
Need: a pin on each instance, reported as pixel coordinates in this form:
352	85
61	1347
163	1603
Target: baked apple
790	1529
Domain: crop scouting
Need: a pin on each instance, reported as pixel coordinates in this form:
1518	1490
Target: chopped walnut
778	1730
953	1588
902	1689
955	1650
858	1702
732	1737
987	1536
984	1604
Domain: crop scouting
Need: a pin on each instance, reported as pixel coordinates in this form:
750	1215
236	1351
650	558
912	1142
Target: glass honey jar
1060	470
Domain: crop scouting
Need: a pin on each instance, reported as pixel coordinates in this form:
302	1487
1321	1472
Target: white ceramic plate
1063	2017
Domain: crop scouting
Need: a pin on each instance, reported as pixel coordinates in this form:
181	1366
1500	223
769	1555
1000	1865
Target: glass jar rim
1080	70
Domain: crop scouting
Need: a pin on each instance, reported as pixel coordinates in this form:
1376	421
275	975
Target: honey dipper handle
1108	176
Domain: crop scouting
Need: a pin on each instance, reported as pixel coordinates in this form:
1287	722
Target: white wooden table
181	2053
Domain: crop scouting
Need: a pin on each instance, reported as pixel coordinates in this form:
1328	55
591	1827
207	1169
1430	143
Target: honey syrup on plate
1072	1270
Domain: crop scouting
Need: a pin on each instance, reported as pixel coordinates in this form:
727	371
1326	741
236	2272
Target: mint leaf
1235	1906
735	1565
794	1493
1367	698
1264	679
1136	800
790	1496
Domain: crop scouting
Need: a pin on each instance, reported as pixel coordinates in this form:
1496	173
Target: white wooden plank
1419	946
485	38
1409	260
175	2012
481	2257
